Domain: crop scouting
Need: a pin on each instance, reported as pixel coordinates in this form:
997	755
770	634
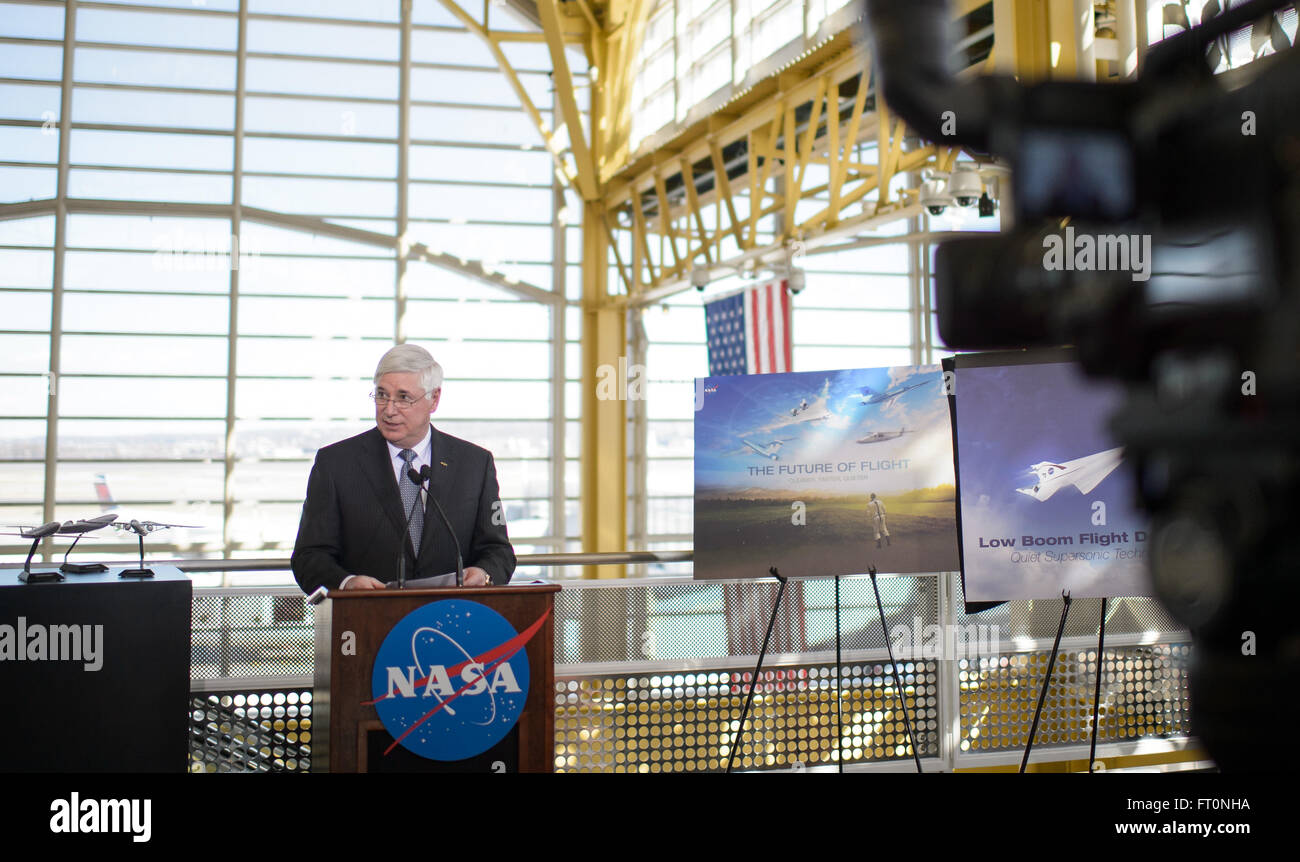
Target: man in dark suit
359	494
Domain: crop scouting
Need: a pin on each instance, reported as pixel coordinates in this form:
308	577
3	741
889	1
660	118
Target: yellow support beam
604	418
525	101
585	165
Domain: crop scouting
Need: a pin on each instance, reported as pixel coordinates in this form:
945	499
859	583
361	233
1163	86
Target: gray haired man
360	497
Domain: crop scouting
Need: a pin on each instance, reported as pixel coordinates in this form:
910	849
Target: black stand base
39	577
135	573
83	568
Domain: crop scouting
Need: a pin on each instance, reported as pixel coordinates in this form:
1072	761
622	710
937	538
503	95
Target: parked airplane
1083	473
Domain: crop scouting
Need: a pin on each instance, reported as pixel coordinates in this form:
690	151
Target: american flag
749	331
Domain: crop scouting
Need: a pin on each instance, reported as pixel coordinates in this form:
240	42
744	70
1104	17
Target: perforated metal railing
661	686
652	675
1144	690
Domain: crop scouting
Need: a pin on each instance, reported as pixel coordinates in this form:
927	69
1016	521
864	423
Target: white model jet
871	396
882	436
771	450
1083	473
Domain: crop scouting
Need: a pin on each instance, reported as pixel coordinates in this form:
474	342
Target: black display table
95	673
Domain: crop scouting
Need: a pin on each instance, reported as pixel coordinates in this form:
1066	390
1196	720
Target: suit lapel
442	478
380	473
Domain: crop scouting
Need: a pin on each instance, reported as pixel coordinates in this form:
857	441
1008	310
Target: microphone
421	478
406	529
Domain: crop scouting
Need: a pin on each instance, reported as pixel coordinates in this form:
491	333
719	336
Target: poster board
786	466
1046	496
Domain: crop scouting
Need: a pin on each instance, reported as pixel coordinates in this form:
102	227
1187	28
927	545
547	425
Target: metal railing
651	672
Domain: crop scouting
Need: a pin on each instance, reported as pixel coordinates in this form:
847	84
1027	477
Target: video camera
1156	229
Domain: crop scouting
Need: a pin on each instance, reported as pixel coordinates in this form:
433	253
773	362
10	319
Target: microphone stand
406	530
424	479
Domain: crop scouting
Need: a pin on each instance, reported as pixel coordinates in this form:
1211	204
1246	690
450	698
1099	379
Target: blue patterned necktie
410	491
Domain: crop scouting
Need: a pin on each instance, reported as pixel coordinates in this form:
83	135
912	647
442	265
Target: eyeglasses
403	402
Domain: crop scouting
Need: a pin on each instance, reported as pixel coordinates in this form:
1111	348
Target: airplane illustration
1083	473
817	417
871	396
882	436
803	405
771	450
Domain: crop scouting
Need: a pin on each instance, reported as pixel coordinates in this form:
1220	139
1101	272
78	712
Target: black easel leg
1047	680
839	678
740	731
898	680
1096	693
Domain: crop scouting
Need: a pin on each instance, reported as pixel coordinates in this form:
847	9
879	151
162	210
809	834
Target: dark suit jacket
352	519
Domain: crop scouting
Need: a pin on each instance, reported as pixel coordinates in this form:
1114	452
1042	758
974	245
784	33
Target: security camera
796	280
699	278
934	196
965	186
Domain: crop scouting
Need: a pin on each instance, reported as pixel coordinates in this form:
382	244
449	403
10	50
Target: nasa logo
451	679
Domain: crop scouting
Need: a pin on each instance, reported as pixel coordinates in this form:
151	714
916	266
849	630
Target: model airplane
77	528
66	528
36	534
1083	473
142	529
882	436
871	396
771	450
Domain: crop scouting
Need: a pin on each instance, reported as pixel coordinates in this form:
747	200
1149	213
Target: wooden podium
351	626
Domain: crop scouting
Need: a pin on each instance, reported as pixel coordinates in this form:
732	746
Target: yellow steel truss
706	196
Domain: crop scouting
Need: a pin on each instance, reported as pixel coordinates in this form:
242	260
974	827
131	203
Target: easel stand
839	678
898	682
1047	680
1096	693
758	668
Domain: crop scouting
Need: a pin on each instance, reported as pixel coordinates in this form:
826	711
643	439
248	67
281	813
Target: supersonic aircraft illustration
1083	473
